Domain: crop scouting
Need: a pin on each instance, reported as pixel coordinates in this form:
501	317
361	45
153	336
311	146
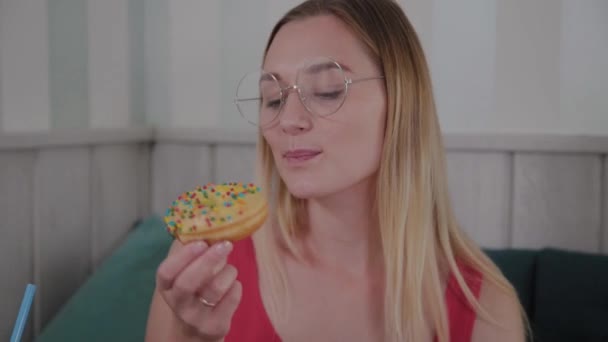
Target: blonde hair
420	237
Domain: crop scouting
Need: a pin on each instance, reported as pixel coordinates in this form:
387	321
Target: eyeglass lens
321	87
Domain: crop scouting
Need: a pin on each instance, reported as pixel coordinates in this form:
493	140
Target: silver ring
205	302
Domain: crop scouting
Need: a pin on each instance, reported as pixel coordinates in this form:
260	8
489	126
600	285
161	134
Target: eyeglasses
321	85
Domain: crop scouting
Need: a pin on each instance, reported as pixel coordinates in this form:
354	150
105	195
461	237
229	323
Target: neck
343	232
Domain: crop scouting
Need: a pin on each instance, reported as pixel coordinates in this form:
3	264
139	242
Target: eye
329	95
273	104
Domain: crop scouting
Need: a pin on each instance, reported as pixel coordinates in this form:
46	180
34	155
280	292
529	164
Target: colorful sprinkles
228	202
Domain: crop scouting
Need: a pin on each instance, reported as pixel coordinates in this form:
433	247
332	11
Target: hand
201	288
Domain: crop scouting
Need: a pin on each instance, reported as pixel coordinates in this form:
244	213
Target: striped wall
66	201
71	64
498	66
24	66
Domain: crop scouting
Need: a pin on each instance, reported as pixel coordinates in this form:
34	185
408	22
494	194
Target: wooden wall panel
234	163
144	180
480	188
16	264
62	226
557	201
114	196
177	168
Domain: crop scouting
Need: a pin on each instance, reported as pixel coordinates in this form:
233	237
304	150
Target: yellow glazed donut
228	211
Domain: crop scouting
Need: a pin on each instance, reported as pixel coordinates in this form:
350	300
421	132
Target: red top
251	323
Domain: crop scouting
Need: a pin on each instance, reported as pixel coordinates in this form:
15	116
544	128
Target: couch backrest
571	296
564	293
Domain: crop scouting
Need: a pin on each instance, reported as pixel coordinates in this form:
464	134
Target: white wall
498	65
516	65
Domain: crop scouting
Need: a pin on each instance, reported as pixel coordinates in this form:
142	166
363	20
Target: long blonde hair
420	237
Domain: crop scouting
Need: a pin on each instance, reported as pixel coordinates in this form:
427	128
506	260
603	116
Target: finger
217	323
175	263
219	286
200	271
227	306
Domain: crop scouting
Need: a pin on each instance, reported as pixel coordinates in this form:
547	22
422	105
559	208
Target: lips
301	154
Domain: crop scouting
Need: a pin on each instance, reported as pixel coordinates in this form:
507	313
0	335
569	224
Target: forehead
304	40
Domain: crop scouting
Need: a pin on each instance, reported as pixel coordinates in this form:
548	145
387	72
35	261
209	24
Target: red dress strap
250	321
461	315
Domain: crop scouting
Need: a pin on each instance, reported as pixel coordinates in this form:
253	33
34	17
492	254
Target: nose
294	118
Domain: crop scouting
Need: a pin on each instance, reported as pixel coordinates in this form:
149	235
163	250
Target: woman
361	243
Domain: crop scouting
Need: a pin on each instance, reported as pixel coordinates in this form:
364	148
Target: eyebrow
269	77
315	69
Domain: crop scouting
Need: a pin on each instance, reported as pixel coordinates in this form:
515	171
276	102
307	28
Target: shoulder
504	309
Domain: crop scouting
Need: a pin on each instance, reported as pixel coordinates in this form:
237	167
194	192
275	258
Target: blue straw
26	303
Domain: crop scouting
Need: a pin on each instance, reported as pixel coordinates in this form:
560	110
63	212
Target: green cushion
571	296
113	304
519	267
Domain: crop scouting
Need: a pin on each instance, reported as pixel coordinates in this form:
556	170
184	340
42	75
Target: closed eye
329	95
273	104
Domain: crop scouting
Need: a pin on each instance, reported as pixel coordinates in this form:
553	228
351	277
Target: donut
212	213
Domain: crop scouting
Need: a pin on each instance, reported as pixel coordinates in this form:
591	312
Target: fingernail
199	246
223	248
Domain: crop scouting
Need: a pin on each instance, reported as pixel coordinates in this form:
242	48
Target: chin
302	190
305	189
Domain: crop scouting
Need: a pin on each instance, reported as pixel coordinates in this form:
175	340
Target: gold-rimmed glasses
321	85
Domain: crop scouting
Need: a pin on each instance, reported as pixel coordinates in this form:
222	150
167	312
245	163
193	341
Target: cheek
366	136
271	139
273	142
359	146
